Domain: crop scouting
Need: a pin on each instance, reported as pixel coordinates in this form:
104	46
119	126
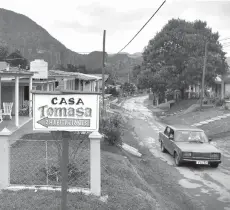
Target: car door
171	142
166	138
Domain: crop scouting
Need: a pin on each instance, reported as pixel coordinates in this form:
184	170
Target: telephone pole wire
203	76
143	26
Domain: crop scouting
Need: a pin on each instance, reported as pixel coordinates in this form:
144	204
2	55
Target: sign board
65	112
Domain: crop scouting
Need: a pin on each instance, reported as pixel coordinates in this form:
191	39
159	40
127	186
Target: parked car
189	144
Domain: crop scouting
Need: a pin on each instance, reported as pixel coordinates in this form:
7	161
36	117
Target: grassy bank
120	180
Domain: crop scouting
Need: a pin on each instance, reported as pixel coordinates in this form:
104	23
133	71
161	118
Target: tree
79	68
136	71
59	67
17	60
128	88
176	54
3	52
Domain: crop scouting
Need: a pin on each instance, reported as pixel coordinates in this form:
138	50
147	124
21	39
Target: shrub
219	102
112	90
54	173
112	130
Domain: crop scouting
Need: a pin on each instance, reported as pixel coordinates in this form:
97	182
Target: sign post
63	111
64	168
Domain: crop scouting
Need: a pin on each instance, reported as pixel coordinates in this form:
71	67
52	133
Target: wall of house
87	87
227	90
8	95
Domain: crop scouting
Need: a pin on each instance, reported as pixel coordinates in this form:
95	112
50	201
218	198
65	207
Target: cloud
101	17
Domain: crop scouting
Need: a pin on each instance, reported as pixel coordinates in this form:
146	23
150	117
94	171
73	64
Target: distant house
4	65
106	76
50	80
222	86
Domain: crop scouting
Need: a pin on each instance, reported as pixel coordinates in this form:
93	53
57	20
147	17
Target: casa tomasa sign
65	112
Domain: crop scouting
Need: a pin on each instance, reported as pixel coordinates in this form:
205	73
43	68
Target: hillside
20	32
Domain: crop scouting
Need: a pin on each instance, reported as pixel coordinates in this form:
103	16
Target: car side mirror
209	139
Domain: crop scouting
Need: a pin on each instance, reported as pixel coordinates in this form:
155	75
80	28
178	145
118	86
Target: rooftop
77	75
14	71
100	75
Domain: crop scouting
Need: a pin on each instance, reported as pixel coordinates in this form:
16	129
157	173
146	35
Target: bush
113	91
219	102
112	130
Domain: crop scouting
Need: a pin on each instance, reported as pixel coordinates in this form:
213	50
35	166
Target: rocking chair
7	109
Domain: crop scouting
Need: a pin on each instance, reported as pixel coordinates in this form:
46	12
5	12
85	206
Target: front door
26	93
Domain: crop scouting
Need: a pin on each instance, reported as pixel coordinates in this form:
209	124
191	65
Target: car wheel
177	159
162	147
214	165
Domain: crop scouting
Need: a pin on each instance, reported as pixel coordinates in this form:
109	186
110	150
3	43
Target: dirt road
208	187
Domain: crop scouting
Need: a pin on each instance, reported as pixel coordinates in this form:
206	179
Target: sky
79	25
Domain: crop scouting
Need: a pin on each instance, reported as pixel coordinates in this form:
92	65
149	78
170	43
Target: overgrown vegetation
111	127
113	91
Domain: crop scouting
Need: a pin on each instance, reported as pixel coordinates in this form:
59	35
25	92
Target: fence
37	162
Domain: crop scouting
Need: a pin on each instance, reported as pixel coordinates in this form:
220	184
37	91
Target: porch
11	126
11	92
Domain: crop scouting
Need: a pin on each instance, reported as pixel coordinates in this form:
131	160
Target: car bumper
195	160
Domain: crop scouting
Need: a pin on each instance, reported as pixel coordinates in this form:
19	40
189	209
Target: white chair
7	109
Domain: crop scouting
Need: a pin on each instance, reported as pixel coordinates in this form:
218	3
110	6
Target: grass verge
120	181
216	129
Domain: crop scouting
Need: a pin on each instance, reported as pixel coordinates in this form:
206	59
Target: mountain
33	41
20	32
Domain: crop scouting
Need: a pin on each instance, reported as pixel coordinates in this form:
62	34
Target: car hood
196	147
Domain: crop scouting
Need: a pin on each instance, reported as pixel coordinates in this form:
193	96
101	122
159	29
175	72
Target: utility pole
203	76
103	74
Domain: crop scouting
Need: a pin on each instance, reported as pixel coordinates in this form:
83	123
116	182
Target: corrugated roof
14	71
77	75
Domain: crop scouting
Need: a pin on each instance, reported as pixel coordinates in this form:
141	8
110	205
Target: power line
142	27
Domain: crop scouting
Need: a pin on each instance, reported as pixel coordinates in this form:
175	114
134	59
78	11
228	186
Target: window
188	136
167	131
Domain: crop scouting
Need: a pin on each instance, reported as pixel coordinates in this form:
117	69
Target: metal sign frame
73	120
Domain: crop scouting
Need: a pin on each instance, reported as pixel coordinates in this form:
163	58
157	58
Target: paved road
203	187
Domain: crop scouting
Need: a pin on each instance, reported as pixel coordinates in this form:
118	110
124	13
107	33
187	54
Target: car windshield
191	136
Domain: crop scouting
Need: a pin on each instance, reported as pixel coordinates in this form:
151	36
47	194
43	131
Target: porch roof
15	72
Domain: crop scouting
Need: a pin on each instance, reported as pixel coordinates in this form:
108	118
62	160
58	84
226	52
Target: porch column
16	101
83	85
30	96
